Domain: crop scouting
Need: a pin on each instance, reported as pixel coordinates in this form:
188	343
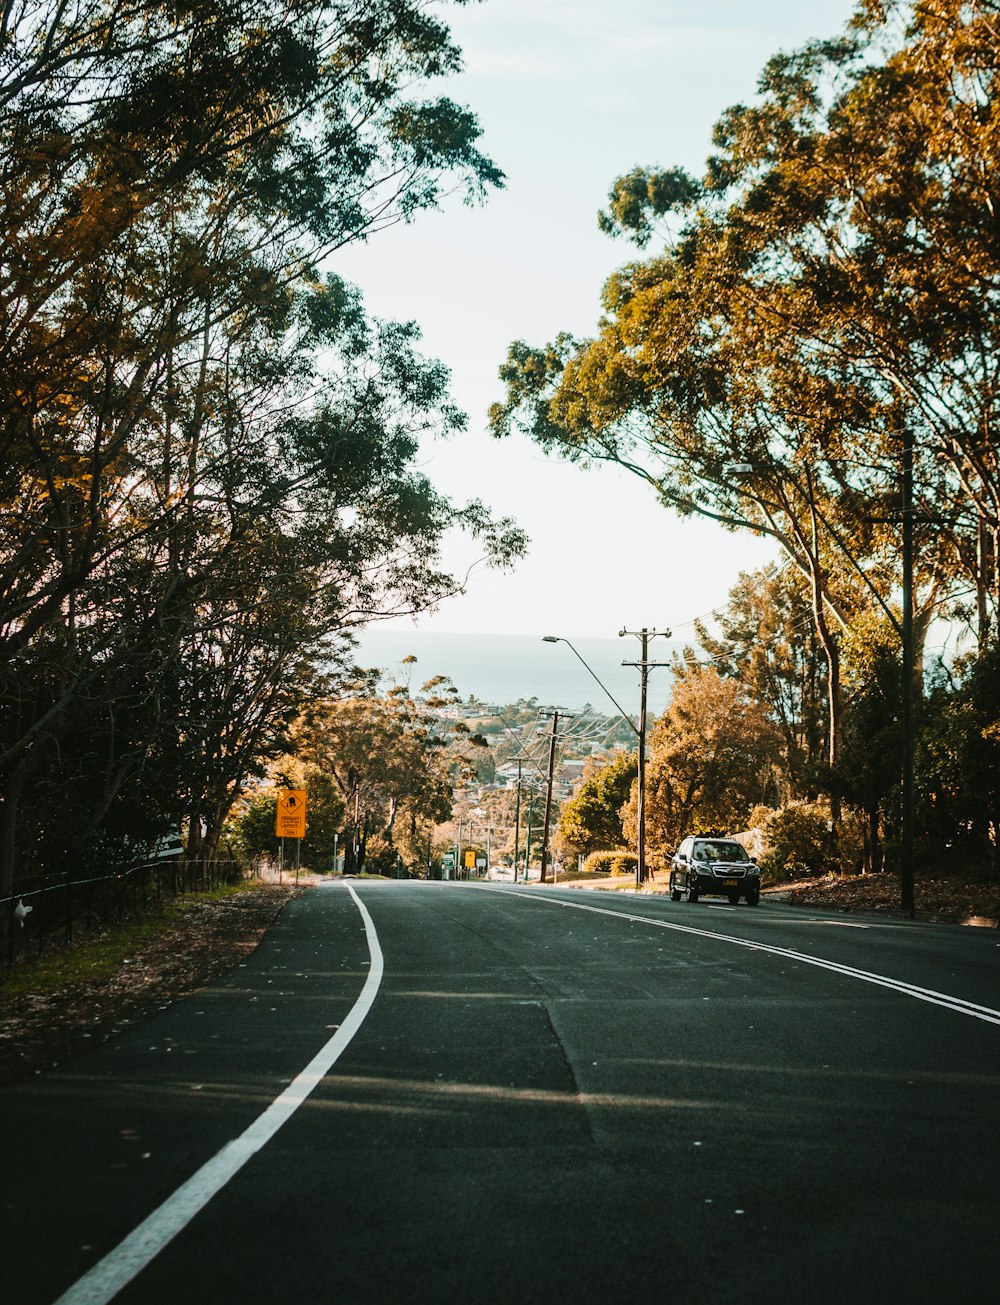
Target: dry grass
943	897
68	1000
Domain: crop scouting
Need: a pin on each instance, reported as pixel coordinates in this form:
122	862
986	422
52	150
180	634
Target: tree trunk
874	846
835	704
982	588
994	559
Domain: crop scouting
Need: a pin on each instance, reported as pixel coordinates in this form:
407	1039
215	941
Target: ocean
503	668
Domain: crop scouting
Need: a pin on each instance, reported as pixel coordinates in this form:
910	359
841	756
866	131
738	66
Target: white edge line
101	1283
957	1004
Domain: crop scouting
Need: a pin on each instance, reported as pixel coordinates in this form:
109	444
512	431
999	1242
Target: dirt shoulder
67	1001
946	898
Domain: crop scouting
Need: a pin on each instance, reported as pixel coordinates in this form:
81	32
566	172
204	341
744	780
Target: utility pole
554	736
527	837
548	791
517	817
645	666
906	849
556	713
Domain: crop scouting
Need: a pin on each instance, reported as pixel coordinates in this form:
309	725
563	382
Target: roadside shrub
798	841
611	863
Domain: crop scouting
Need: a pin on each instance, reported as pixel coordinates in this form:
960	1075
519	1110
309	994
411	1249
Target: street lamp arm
558	638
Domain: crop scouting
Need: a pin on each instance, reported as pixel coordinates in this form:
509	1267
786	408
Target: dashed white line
131	1256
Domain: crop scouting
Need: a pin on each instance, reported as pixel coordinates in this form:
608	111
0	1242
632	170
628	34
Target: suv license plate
732	883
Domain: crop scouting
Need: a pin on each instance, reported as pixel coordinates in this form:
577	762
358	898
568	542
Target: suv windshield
715	851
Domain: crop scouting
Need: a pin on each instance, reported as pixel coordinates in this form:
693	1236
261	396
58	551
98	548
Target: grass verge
94	959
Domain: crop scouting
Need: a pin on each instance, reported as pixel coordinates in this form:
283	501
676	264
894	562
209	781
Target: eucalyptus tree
394	758
205	449
959	764
871	185
826	287
684	388
766	641
911	297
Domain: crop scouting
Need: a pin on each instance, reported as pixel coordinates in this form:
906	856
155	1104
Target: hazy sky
570	94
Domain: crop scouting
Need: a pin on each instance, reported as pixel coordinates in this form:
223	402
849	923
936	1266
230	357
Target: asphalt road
544	1095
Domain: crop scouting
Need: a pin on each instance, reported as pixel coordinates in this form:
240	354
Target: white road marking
836	924
131	1256
956	1004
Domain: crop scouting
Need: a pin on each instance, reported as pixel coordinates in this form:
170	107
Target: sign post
290	822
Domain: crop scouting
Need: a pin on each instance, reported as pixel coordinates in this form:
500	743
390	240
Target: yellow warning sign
291	821
470	858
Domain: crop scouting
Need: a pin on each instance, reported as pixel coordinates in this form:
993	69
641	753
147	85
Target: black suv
715	867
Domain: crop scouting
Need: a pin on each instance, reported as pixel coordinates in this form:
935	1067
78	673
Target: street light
558	638
639	730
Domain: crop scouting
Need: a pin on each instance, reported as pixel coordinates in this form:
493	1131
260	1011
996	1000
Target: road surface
433	1092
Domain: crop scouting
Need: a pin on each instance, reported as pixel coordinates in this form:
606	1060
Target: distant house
753	840
449	713
565	781
508	772
568	778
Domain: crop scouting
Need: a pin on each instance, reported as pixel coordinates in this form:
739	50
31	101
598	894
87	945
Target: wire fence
49	911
